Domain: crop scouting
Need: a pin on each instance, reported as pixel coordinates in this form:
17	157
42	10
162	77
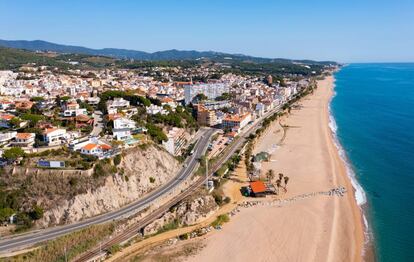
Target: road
97	123
31	239
135	229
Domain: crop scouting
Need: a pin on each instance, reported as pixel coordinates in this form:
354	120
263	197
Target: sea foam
360	195
359	191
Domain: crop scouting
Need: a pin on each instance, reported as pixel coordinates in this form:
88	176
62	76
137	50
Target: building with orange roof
24	104
236	122
24	140
95	149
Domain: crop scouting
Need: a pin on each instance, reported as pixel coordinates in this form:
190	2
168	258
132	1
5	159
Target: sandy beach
314	229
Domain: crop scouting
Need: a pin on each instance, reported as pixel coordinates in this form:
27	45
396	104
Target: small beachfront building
258	188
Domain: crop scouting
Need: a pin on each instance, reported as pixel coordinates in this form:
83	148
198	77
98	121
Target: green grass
220	220
74	243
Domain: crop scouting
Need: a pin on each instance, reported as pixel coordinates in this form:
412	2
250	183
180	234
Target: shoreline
327	230
368	253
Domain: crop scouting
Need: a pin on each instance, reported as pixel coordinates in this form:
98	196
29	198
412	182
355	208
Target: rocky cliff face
188	212
142	171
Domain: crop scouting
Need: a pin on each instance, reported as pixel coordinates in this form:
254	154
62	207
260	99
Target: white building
122	128
154	109
54	136
97	150
117	103
24	140
177	139
210	90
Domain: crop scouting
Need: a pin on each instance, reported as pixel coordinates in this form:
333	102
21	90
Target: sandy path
315	229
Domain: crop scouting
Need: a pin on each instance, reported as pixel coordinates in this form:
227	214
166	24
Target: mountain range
40	45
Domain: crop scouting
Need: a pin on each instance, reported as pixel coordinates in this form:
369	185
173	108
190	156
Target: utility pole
66	256
207	173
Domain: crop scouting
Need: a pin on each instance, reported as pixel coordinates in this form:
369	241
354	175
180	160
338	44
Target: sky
340	30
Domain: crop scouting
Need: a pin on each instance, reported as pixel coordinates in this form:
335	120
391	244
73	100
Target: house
117	103
24	140
24	104
4	105
154	109
83	120
5	137
97	150
54	136
5	120
123	128
168	101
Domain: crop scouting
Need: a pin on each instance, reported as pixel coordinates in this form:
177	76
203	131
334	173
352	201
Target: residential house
123	128
97	150
24	140
54	136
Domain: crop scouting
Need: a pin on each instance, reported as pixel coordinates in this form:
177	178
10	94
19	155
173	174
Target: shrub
117	159
113	249
36	213
13	153
220	220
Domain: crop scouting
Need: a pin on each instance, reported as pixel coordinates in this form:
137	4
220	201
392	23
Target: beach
318	228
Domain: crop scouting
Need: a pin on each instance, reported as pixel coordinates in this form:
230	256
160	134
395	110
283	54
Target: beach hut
258	188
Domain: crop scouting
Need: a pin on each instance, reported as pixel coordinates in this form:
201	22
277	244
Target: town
99	113
89	143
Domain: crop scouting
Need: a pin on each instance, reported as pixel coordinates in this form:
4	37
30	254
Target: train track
136	228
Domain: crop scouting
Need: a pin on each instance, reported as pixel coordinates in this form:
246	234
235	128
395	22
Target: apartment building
177	139
236	122
206	117
211	90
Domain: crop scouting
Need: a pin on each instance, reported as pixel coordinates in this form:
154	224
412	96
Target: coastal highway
32	238
135	229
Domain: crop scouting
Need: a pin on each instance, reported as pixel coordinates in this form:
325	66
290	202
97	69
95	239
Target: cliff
68	197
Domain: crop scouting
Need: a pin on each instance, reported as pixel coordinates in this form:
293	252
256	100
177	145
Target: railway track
132	231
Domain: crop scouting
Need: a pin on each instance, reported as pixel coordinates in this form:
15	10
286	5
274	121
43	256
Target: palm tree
270	175
278	182
286	181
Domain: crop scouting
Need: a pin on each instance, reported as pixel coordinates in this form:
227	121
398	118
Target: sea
372	118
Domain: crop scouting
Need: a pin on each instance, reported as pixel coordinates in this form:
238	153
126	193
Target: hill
39	45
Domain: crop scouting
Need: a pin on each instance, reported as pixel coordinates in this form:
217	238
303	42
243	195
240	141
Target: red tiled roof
24	135
90	146
258	187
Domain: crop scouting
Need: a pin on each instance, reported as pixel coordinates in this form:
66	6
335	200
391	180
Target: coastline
324	229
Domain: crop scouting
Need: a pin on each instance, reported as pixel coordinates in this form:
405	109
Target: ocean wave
360	195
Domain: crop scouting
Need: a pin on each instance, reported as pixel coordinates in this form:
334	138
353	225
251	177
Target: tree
36	213
15	122
278	182
5	213
286	181
201	97
117	160
280	176
32	118
13	153
270	175
37	99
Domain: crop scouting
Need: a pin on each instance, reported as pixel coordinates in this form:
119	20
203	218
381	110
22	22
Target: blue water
374	111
